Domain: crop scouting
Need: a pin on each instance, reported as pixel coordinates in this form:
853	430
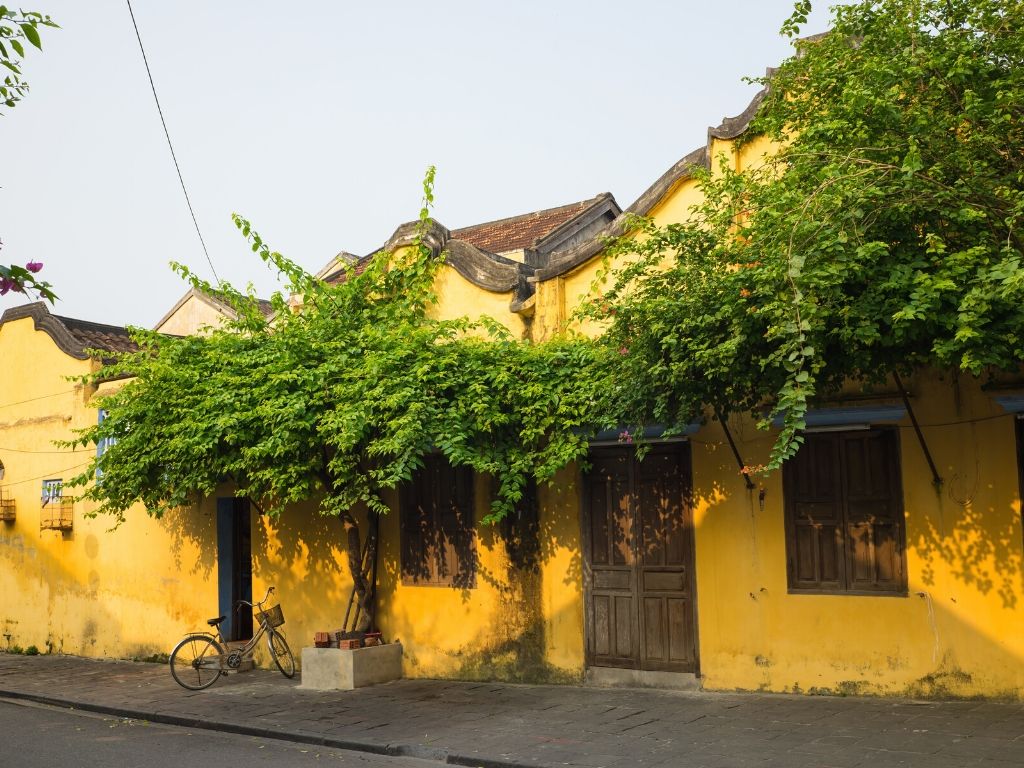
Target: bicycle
199	660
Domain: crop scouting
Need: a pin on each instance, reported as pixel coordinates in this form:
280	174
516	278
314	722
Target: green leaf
31	35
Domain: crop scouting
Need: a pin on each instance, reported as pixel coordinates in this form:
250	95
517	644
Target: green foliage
18	27
32	651
339	400
884	236
23	280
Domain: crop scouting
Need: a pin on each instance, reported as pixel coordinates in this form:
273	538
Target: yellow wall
960	629
515	624
512	625
193	315
458	297
129	593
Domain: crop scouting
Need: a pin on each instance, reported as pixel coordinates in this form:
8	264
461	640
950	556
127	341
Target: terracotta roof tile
499	236
109	338
357	268
521	231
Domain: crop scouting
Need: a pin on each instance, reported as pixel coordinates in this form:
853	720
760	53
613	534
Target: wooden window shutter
438	539
417	529
813	491
457	553
844	513
874	514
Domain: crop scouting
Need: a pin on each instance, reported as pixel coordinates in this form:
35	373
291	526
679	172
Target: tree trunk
358	567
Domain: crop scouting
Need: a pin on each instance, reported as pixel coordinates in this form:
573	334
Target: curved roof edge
730	128
499	274
72	340
43	321
484	269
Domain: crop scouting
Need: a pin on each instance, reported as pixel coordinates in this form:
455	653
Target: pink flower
625	437
5	285
34	266
623	350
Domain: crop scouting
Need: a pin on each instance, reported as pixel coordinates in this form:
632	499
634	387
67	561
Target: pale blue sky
317	121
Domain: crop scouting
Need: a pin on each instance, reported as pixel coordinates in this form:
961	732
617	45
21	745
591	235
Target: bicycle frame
208	651
250	646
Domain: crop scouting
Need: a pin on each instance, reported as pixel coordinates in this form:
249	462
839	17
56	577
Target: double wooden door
638	549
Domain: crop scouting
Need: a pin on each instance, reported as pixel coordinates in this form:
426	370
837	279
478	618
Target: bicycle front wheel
281	653
196	662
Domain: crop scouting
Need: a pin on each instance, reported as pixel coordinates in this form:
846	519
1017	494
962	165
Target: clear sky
316	120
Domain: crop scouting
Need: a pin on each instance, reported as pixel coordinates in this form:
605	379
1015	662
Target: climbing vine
878	234
340	399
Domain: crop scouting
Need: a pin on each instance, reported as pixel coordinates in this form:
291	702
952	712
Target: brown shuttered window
844	514
438	540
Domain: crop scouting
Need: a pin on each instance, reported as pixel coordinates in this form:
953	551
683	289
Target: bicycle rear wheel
281	653
196	662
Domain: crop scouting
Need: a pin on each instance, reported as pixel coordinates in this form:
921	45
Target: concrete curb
436	754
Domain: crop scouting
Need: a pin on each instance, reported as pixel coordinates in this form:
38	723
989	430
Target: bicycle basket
272	617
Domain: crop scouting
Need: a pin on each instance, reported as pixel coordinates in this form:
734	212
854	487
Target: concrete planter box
332	669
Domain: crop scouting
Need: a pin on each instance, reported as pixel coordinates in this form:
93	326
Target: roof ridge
91	323
587	202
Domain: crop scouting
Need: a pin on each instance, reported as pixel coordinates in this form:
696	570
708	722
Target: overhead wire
170	145
47	453
48	475
40	397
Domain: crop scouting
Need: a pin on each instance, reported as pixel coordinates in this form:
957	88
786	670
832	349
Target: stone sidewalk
491	725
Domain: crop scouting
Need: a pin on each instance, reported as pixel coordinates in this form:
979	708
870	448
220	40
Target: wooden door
614	637
639	560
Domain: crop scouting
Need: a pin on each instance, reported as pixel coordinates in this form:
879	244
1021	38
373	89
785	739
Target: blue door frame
234	566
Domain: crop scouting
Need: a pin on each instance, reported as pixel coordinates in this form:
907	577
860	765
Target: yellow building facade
69	584
669	571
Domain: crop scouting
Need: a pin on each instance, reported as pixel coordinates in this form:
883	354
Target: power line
47	476
40	397
174	157
48	453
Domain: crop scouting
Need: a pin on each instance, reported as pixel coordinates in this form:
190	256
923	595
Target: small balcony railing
57	515
7	507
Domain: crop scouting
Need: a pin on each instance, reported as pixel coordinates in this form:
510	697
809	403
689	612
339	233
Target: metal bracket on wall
936	478
735	451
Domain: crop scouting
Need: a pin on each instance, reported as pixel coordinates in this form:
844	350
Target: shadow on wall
974	528
956	633
193	529
302	552
500	629
513	648
558	531
969	540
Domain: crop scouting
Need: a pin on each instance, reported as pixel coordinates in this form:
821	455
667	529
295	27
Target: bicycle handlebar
240	603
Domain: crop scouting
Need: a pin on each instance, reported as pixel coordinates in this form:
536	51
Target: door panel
661	483
625	626
601	635
612	608
638	531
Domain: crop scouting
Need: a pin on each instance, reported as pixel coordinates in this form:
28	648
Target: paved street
38	736
491	724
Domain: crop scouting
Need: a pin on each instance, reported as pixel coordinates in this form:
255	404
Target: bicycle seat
215	622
